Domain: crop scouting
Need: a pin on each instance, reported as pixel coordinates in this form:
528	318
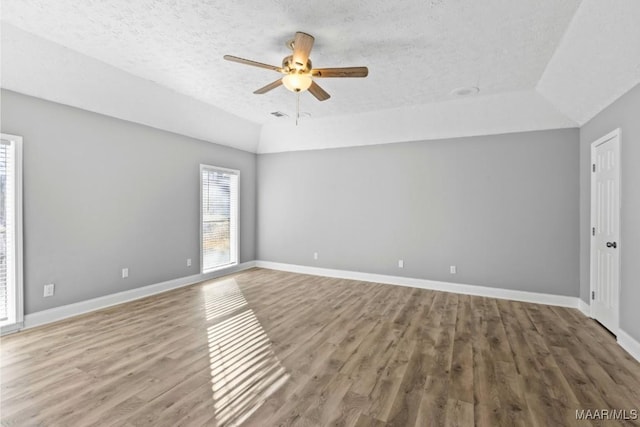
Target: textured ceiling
34	66
539	64
417	51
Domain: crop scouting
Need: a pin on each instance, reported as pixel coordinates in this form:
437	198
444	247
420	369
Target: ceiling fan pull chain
297	108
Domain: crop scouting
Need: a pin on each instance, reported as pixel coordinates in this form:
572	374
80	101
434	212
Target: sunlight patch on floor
244	369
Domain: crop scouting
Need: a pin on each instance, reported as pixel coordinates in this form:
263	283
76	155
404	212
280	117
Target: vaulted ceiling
538	64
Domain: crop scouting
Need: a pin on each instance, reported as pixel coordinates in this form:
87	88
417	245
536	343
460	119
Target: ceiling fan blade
268	87
302	45
318	92
340	72
254	63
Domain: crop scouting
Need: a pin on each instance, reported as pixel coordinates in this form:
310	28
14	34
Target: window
11	309
218	217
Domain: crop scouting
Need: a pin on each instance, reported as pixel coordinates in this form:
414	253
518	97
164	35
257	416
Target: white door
605	230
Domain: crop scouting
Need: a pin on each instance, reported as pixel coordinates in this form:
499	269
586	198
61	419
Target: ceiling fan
297	69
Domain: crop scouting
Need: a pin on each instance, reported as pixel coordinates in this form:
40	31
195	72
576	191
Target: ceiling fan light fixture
296	82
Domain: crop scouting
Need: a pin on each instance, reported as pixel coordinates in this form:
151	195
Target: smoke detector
465	91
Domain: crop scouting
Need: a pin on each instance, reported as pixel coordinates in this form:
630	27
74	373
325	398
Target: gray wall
101	194
623	114
503	208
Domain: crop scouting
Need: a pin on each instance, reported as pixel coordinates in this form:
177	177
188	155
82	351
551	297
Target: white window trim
19	297
236	218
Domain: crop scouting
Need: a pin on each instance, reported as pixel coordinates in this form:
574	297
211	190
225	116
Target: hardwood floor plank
406	405
367	421
384	392
511	394
459	413
461	375
433	405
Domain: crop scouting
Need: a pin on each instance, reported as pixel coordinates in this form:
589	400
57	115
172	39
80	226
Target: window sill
221	267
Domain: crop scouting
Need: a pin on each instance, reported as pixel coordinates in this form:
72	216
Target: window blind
219	214
7	242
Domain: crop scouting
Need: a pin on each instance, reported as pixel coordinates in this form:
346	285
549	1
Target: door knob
612	245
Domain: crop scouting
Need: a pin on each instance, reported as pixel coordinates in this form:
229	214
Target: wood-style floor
267	348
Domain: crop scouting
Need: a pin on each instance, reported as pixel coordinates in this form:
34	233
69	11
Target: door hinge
593	167
593	231
593	295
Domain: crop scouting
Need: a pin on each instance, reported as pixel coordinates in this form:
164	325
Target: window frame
235	255
16	319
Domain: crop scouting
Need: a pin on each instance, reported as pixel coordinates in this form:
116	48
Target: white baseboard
484	291
629	343
9	329
58	313
626	341
584	308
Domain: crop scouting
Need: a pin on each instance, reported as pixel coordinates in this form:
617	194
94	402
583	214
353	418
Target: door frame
615	134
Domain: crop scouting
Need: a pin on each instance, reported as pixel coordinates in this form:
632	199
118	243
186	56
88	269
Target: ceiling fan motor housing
290	66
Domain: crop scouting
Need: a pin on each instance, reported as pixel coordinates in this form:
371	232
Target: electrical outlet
452	269
125	273
315	255
400	263
49	290
188	262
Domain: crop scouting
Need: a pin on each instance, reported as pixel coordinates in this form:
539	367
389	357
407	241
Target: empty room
268	213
